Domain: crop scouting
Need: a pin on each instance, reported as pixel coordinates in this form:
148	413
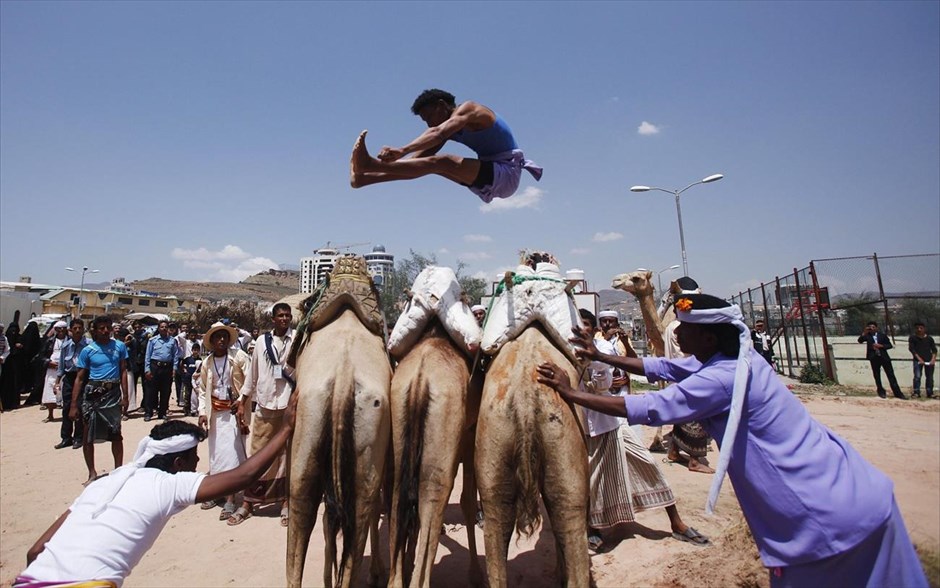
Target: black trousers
157	393
70	430
878	363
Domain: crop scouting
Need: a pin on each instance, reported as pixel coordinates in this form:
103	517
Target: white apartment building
313	270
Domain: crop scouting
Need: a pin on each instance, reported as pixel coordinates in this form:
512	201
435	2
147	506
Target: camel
638	283
530	442
656	320
434	404
339	449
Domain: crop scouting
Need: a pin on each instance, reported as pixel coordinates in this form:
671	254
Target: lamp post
659	280
659	277
676	193
81	289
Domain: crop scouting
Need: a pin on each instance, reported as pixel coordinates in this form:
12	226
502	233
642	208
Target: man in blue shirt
159	371
71	431
102	370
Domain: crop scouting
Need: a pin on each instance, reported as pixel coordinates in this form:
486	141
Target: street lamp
659	279
81	290
676	193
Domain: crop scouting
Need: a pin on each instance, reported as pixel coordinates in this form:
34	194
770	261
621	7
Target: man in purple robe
820	514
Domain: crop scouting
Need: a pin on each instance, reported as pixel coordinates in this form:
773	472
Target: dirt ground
37	483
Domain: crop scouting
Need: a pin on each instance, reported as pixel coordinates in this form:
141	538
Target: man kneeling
126	510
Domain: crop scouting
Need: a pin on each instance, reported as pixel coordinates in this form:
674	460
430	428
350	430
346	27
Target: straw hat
218	326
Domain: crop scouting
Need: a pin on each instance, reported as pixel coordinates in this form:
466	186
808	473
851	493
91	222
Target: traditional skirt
622	483
101	411
49	395
226	443
131	392
272	486
691	438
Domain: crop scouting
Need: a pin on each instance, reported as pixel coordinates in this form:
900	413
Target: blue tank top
496	139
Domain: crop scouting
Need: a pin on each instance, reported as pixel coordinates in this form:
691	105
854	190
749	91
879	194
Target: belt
162	363
219	404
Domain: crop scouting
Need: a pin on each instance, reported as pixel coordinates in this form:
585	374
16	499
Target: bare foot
359	161
91	478
697	466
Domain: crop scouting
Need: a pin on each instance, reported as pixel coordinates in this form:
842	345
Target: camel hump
540	296
435	293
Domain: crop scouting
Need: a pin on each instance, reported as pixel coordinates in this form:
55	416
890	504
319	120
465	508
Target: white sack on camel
541	299
436	292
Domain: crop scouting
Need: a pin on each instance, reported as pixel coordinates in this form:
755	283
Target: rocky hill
268	286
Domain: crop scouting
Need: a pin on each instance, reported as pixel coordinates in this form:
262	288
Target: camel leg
497	479
305	494
468	505
565	494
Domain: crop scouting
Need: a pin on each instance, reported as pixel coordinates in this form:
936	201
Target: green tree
912	310
858	310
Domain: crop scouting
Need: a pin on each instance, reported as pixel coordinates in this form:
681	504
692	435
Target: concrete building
380	264
117	304
313	270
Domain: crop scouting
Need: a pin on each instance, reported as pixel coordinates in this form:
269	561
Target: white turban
477	307
730	314
147	449
60	325
608	314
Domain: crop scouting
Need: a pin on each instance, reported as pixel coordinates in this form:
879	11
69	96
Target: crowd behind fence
814	313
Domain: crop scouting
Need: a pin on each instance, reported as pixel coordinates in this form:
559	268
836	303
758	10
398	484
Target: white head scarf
730	315
147	449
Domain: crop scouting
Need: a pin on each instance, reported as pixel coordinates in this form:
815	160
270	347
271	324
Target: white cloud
647	128
603	237
477	238
229	264
229	252
443	250
495	274
580	251
474	256
528	198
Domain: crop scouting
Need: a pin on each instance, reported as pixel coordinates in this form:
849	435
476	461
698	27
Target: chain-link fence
815	315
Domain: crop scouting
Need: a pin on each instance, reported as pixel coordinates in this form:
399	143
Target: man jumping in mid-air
496	172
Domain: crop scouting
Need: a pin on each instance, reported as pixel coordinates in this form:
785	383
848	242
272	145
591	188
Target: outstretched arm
556	378
430	141
218	485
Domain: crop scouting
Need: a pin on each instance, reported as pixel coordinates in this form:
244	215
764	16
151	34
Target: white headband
727	315
147	449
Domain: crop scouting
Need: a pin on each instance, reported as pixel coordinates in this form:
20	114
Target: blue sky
209	140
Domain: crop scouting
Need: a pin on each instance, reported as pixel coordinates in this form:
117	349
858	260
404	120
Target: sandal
595	544
239	516
691	536
284	513
208	505
227	511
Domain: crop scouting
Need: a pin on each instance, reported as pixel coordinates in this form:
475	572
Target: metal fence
812	313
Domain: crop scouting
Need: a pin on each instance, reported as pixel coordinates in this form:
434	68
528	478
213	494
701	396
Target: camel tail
528	456
418	395
340	487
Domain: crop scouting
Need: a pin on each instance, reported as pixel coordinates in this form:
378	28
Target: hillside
266	286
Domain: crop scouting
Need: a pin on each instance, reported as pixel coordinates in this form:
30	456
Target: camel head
636	283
